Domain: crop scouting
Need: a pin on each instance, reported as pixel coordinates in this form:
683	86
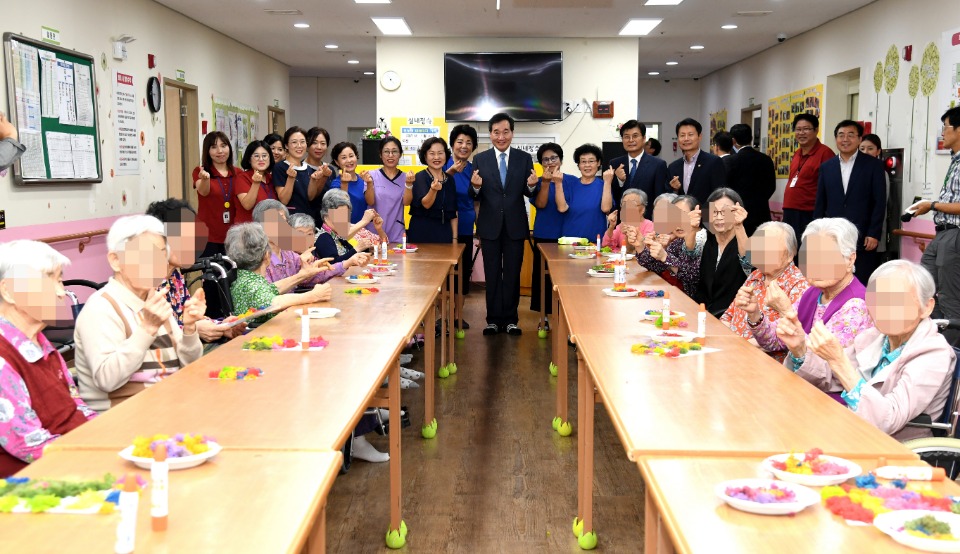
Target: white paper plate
399	250
891	523
587	247
646	317
379	271
812	480
684	335
601	274
616	256
388	265
583	256
372	280
322	313
184	462
804	497
620	294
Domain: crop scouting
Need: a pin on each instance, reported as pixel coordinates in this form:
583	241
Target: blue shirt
548	223
466	214
355	190
299	203
583	218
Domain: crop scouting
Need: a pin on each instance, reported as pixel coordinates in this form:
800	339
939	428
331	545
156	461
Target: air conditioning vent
283	12
754	13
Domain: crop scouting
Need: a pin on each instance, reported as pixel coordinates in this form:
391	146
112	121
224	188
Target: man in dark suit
697	173
752	175
852	185
501	178
637	170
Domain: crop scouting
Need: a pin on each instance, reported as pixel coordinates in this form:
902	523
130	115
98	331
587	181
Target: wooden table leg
395	474
317	541
651	523
443	327
451	325
543	290
585	437
430	371
462	278
560	356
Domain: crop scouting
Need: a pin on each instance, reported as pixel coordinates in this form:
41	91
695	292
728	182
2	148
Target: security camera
666	80
356	80
781	37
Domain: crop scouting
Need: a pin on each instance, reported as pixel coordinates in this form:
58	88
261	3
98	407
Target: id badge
226	217
793	182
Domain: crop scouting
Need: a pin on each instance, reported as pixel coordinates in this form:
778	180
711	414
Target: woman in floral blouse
836	298
38	398
330	244
248	246
665	254
772	249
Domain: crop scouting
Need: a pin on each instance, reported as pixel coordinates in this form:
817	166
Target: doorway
751	115
182	121
276	120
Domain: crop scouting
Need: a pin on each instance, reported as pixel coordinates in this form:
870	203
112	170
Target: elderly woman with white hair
330	244
772	249
248	246
38	398
835	298
892	373
127	334
615	237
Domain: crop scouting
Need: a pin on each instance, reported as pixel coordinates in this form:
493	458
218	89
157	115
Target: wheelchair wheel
938	452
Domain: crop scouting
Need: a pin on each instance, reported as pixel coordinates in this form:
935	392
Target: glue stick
665	312
127	527
304	329
159	489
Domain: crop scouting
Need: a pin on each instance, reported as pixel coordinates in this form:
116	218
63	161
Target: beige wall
219	66
332	103
588	65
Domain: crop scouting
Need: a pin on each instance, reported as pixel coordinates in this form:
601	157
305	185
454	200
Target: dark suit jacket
651	173
708	175
753	176
501	204
865	202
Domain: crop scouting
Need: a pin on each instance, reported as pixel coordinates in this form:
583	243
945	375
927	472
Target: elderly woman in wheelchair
891	374
38	398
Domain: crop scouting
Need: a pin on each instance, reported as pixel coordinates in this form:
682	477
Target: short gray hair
300	219
333	199
916	274
131	226
265	206
247	244
19	255
842	231
690	201
667	196
789	235
635	192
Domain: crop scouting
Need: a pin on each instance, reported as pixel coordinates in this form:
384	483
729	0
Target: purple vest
807	307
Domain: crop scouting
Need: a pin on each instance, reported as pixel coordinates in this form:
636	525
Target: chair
61	334
218	273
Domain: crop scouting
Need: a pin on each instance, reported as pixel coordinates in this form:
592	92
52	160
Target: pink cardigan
917	382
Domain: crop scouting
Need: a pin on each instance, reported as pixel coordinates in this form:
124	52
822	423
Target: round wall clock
390	80
153	94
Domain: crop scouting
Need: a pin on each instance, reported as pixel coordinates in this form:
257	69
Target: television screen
526	85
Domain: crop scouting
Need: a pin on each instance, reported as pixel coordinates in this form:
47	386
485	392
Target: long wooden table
240	501
683	514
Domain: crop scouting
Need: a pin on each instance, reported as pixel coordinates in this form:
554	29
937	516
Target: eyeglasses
391	152
589	162
945	127
719	213
847	135
551	159
802	129
260	157
297	143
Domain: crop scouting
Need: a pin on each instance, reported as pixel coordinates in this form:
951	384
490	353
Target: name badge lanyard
803	160
227	193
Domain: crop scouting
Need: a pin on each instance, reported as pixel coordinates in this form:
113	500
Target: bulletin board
52	93
238	122
781	143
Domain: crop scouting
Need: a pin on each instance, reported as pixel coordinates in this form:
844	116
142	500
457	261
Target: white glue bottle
128	505
620	271
159	489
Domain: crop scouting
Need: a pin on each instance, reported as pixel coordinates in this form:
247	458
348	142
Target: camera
356	80
781	37
666	80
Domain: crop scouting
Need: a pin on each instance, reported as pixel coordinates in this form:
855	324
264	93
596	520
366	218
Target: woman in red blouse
254	182
215	180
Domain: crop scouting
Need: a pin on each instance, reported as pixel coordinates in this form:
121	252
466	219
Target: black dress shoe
514	330
491	329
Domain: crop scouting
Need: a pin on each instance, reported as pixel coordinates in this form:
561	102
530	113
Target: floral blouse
21	433
688	268
177	294
288	264
252	290
846	324
791	281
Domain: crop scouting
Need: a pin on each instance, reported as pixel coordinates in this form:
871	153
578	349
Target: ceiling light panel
639	27
392	25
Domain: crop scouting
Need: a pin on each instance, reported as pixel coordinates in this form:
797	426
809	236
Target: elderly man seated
772	248
892	373
127	334
38	399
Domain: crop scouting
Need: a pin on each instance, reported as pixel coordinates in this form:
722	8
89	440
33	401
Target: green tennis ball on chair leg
565	429
587	541
452	368
556	422
554	369
577	527
443	373
542	333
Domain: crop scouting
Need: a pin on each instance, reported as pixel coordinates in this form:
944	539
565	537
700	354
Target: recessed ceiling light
697	47
728	26
673	63
392	25
302	25
653	73
639	27
353	62
371	1
331	46
662	2
368	72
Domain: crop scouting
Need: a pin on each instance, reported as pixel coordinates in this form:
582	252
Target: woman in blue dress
589	198
344	155
433	205
463	142
292	177
551	204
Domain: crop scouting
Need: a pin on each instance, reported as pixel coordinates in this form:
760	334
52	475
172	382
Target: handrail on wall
84	238
918	238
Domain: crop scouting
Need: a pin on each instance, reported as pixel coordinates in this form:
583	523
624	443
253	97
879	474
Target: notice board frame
52	124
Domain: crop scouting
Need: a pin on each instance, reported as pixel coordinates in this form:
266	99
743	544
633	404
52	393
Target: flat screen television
526	85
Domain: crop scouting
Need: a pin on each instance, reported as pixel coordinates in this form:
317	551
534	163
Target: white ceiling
348	25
